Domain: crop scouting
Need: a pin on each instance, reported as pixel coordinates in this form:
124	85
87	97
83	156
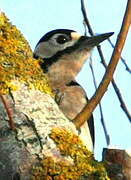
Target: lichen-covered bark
44	143
16	60
34	114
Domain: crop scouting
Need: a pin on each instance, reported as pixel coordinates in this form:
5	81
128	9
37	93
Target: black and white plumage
64	52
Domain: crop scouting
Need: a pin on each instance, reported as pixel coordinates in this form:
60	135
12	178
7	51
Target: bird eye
62	39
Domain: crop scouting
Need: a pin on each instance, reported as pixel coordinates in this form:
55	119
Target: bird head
65	41
64	52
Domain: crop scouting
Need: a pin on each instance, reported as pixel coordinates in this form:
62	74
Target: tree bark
118	163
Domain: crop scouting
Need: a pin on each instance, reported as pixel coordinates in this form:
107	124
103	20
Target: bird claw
58	96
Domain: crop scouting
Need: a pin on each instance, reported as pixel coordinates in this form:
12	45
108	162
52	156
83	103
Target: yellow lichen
83	167
16	61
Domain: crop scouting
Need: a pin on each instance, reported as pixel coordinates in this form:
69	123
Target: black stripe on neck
47	62
73	83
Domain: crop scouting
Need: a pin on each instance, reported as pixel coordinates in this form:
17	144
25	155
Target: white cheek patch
49	49
42	50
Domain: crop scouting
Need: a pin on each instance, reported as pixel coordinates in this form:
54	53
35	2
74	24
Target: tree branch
117	90
122	59
9	112
91	105
86	23
107	137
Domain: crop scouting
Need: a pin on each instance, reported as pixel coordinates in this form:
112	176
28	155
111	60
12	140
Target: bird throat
64	69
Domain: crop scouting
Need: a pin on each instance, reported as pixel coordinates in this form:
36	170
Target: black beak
92	41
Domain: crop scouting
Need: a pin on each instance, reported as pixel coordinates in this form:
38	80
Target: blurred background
35	18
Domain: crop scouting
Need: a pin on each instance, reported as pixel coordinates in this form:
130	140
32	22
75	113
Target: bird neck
66	68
